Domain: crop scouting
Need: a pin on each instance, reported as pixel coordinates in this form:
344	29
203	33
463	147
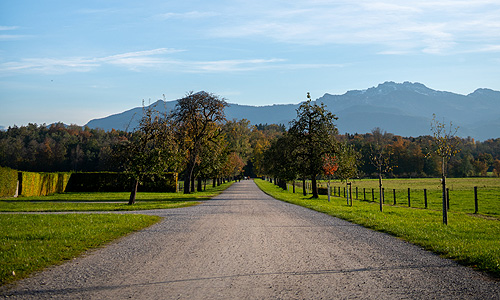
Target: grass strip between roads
107	201
29	243
470	240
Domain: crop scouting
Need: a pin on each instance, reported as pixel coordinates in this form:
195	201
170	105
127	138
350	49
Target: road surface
244	244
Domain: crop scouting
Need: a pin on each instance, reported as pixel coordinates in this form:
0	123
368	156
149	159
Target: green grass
29	243
106	201
461	193
471	240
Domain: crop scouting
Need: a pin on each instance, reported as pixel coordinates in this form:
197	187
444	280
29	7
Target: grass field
461	193
469	239
29	243
106	201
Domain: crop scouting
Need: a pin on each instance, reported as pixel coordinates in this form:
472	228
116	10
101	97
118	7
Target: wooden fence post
350	192
373	195
425	197
448	198
357	193
394	195
476	204
409	198
364	194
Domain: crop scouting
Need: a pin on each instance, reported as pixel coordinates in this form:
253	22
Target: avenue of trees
196	141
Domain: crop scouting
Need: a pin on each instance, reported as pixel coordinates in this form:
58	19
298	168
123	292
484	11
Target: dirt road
246	245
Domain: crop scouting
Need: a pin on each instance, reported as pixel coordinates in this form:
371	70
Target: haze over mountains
404	109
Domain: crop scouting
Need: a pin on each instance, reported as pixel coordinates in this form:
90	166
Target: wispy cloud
155	59
8	28
187	15
10	37
132	60
434	26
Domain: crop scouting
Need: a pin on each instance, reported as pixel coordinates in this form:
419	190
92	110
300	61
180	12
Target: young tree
198	118
330	166
381	159
348	159
314	135
445	146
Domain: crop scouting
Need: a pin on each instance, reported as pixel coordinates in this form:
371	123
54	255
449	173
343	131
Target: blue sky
73	61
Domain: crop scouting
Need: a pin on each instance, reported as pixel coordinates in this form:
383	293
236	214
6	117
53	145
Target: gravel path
246	245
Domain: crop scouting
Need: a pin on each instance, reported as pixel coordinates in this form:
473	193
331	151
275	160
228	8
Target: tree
279	160
445	146
151	151
381	159
198	118
314	135
330	166
348	160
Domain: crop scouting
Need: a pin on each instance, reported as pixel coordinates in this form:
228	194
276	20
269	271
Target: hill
404	109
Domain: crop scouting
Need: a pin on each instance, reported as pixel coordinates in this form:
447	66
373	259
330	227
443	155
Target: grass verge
470	240
29	243
106	201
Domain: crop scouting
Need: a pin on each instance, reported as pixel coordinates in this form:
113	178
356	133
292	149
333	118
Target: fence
481	199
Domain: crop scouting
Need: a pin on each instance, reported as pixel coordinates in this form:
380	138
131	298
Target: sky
74	61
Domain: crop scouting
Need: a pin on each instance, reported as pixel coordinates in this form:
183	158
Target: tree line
198	142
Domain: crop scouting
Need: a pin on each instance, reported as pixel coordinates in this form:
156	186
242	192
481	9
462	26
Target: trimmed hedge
42	184
8	182
119	182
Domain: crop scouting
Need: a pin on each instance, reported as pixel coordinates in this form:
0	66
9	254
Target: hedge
8	182
119	182
42	184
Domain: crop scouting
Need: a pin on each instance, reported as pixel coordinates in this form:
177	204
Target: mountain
404	109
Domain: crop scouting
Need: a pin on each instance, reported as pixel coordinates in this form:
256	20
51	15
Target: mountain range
404	109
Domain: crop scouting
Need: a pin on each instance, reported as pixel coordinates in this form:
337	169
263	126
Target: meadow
468	238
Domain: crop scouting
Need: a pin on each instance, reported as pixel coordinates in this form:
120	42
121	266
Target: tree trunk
214	182
445	206
380	190
192	184
187	181
200	187
304	192
314	187
134	192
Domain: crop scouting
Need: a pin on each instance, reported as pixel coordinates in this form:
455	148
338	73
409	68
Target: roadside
244	244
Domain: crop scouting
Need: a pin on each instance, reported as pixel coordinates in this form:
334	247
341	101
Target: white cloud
8	28
187	15
11	37
433	26
132	60
155	59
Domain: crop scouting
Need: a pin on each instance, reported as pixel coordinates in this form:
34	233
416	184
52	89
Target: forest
58	147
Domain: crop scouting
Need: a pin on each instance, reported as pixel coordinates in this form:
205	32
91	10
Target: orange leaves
330	165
